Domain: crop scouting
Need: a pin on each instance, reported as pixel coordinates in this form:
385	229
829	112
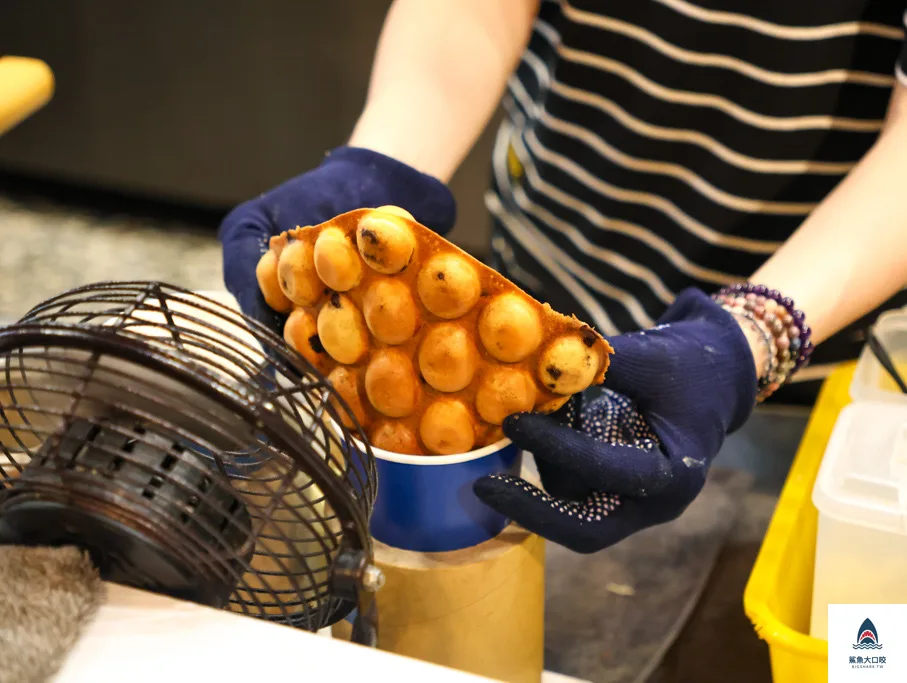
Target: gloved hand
638	455
349	178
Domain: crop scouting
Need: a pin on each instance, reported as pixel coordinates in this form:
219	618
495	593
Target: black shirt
660	144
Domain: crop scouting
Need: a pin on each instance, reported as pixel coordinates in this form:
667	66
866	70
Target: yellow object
779	591
513	163
26	85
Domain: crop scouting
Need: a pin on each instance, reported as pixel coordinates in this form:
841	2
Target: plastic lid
870	381
863	477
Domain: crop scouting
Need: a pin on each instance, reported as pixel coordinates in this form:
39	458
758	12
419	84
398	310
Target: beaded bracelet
770	364
782	326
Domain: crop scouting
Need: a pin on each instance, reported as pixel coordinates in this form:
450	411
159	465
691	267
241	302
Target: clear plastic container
861	497
870	381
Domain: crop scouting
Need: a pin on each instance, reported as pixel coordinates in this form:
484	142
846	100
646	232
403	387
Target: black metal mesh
181	422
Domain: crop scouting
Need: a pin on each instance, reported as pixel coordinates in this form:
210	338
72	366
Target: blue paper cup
425	503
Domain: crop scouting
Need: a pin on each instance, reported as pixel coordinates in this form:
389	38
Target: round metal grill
187	448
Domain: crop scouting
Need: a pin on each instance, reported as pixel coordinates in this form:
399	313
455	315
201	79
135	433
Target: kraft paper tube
479	610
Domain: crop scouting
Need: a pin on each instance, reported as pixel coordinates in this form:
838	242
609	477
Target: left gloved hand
349	178
638	455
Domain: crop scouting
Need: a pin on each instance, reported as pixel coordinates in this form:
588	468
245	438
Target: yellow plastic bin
779	591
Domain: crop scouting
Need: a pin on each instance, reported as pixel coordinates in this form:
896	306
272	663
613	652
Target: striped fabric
659	144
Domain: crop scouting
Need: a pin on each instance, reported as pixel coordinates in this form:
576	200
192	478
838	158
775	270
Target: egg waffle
430	348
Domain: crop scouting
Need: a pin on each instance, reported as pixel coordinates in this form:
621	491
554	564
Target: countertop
138	636
48	248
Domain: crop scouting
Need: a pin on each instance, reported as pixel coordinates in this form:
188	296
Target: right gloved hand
349	178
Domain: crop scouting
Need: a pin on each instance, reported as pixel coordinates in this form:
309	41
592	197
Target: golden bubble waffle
430	348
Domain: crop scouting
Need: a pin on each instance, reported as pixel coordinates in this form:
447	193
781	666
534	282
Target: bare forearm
850	255
439	73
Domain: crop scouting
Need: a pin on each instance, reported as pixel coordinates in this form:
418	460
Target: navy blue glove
349	178
638	455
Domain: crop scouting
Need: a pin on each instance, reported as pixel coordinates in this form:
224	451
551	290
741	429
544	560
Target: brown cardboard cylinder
479	610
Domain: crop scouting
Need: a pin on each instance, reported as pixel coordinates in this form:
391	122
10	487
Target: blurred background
165	116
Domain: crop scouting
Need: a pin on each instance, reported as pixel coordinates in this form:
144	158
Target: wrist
397	140
376	179
759	343
785	336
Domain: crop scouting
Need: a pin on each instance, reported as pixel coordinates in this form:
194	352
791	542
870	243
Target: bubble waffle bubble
430	348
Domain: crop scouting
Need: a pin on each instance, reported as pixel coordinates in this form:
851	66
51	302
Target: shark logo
867	637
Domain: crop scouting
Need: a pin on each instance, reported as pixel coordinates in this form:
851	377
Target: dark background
200	104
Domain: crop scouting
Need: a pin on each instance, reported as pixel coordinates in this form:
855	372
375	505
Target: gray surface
718	643
666	605
611	616
48	249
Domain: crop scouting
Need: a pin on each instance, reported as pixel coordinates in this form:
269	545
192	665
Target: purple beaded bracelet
783	327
